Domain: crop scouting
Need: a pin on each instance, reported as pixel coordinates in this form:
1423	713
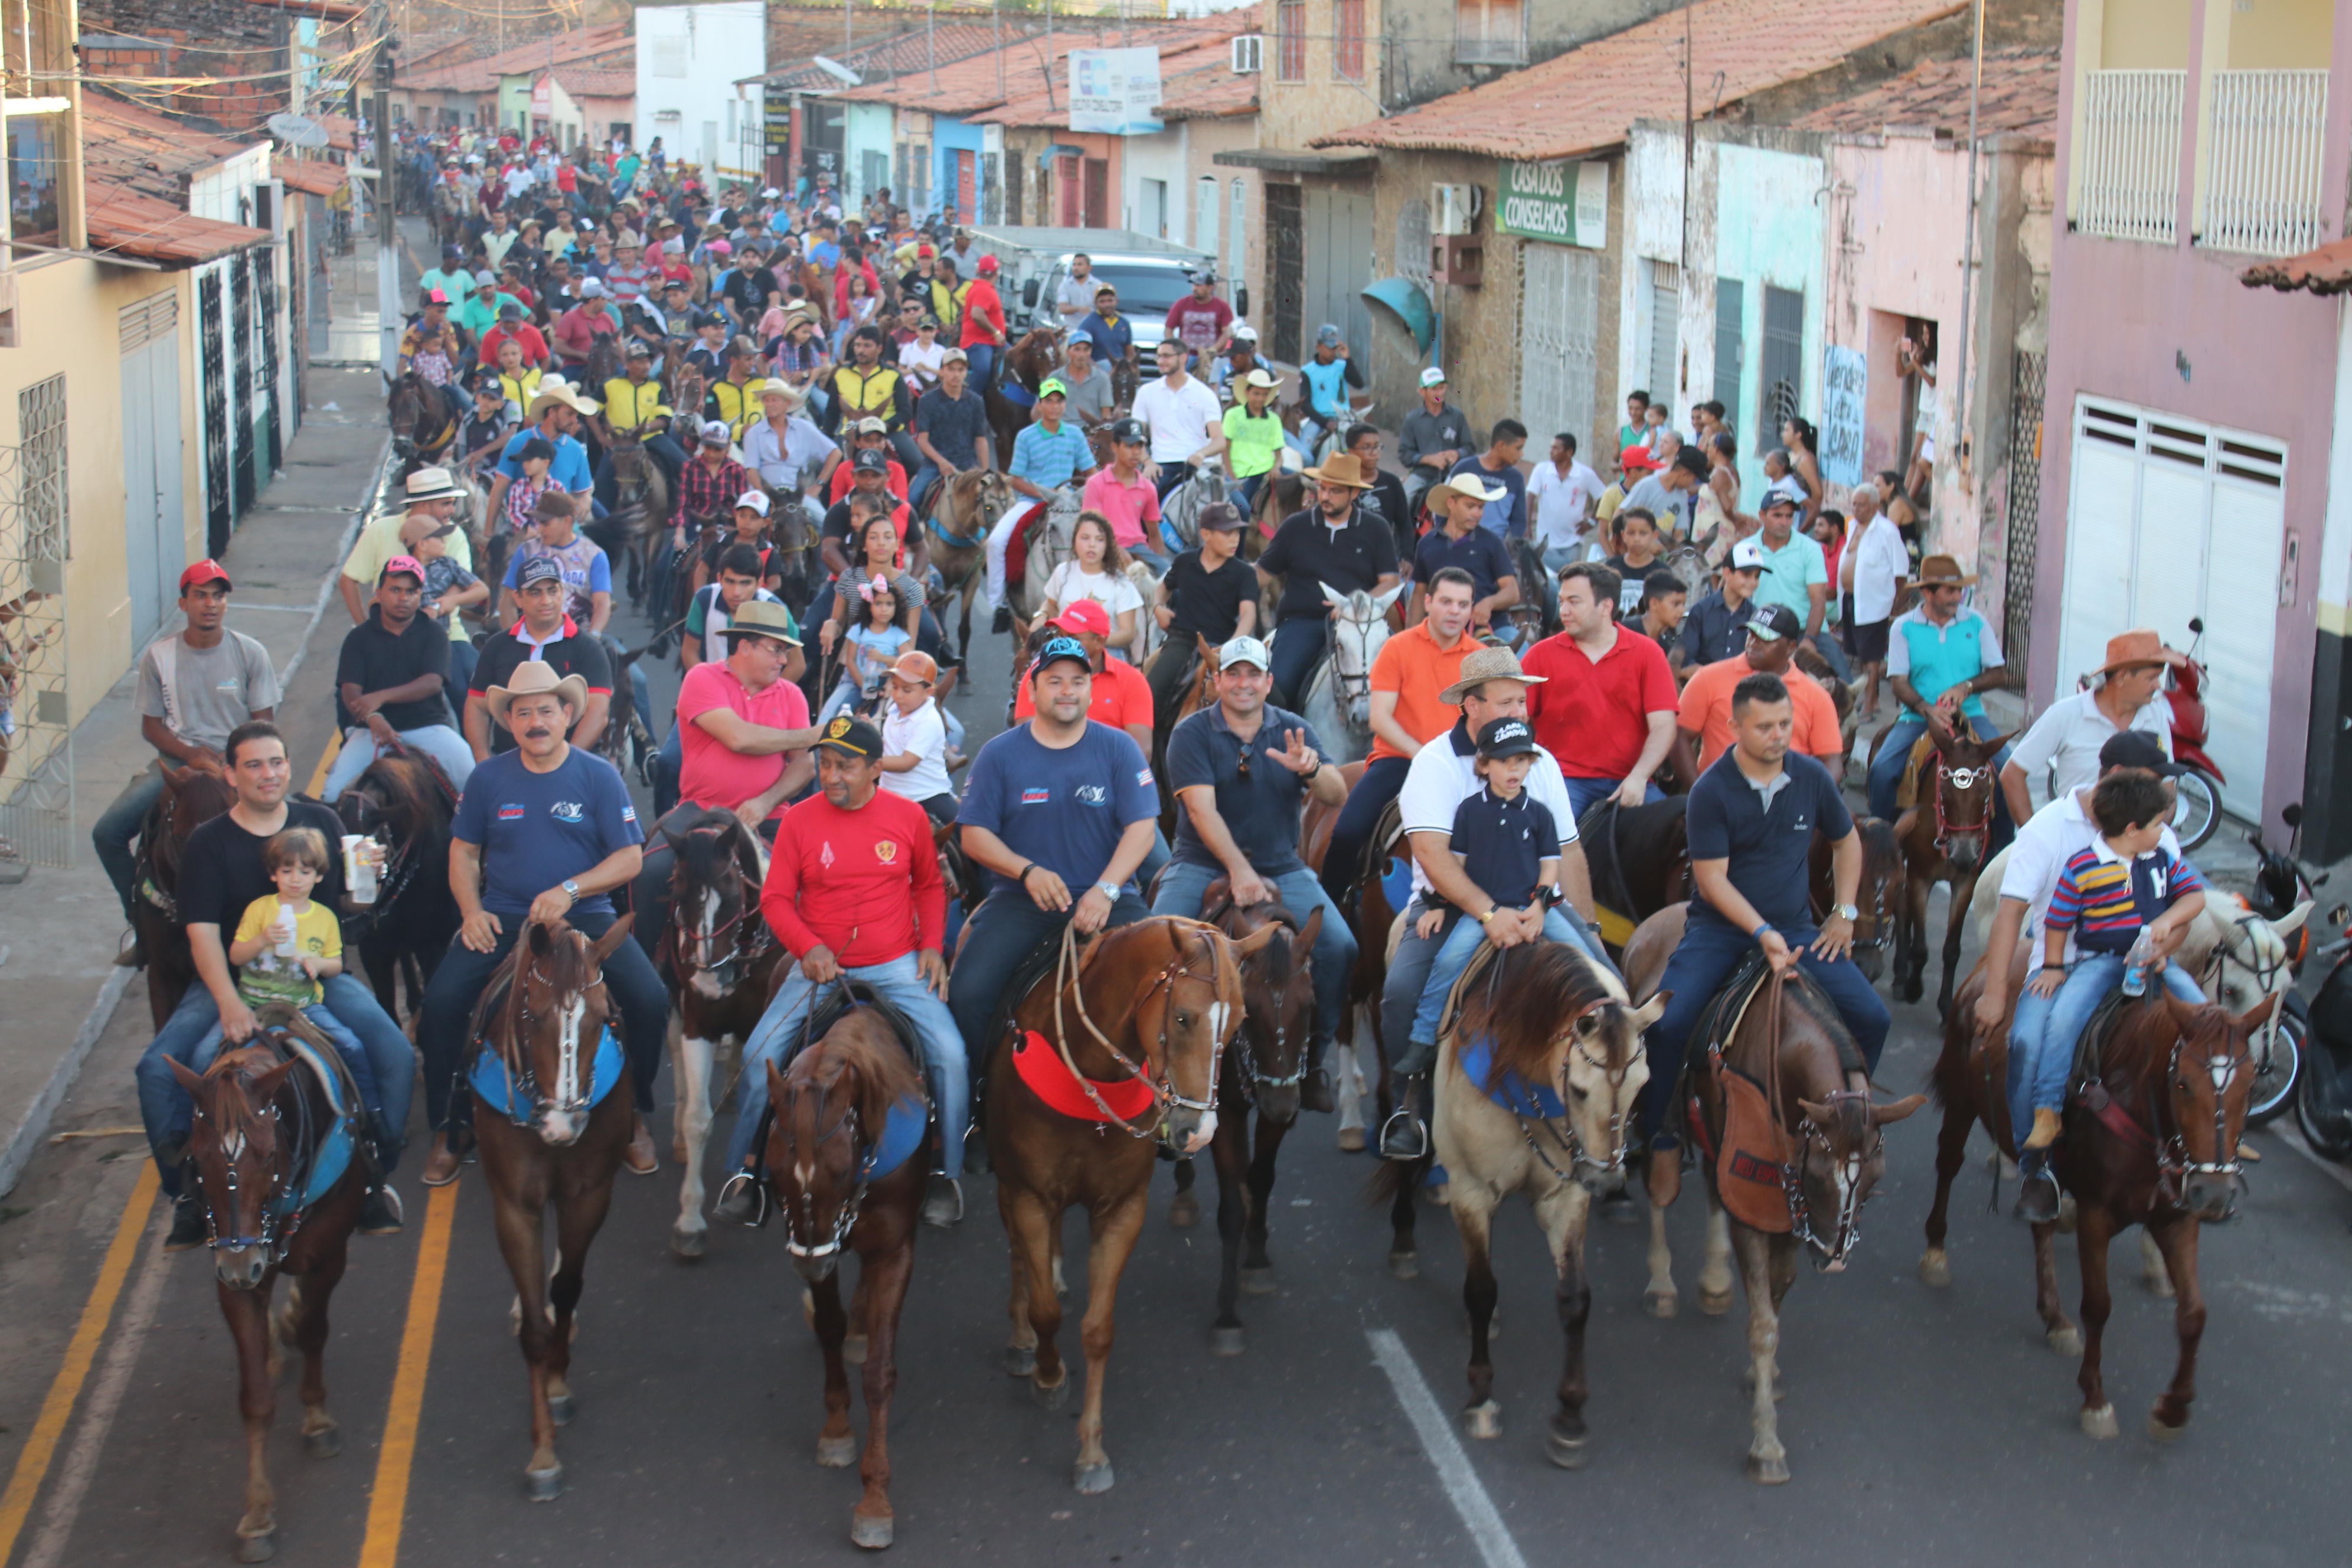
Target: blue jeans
118	827
900	983
166	1110
1583	793
1181	892
1156	560
669	766
1832	649
1408	970
1004	930
347	1045
1382	778
920	485
1556	556
463	656
1153	860
982	361
2044	1031
1886	764
1171	474
1709	952
1299	644
439	742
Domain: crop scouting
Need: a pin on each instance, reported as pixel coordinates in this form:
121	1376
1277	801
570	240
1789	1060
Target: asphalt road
1923	1426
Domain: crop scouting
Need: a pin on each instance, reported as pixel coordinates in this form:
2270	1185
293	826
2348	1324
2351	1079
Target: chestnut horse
1370	916
1142	1017
2151	1138
1034	356
191	797
1946	837
555	1114
274	1205
963	508
852	1104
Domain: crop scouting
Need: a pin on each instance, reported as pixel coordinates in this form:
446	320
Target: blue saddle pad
327	1167
1508	1090
1018	395
490	1082
902	1134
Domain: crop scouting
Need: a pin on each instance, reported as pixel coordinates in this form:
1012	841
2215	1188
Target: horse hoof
837	1453
257	1548
2066	1341
853	1349
1771	1470
324	1444
1020	1360
1225	1342
1404	1266
1660	1303
543	1486
1093	1479
1352	1140
1714	1303
1184	1210
561	1408
1484	1419
2100	1423
874	1534
689	1245
2159	1431
1257	1282
1051	1396
1935	1267
1567	1452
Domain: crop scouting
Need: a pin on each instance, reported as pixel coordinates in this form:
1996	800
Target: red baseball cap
987	266
1638	459
1085	616
204	572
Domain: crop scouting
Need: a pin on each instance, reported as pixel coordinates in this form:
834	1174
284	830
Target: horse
851	1101
1945	839
405	803
623	722
640	522
1368	913
555	1116
792	533
1198	692
1775	1115
1875	927
191	797
1540	1065
277	1168
720	957
1025	364
2151	1136
1182	510
424	423
964	507
1278	495
1044	542
1338	697
1155	1002
1639	860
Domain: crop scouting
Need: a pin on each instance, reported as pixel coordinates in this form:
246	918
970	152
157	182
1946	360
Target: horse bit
1163	1090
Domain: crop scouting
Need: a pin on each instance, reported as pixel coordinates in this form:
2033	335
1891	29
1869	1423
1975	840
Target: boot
1315	1088
2037	1192
1406	1134
744	1200
2046	1128
1665	1177
382	1215
449	1150
1002	623
943	1204
639	1156
189	1230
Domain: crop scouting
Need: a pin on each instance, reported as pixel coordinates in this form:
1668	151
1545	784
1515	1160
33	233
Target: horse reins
1964	780
753	938
1067	978
2170	1150
1810	1135
867	1155
274	1241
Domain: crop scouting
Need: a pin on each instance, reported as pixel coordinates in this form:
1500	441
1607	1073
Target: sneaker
1406	1134
2037	1191
1003	621
744	1200
943	1204
382	1215
189	1230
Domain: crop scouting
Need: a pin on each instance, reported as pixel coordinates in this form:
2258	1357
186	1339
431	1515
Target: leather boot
639	1156
2046	1128
188	1229
441	1166
1315	1088
1406	1134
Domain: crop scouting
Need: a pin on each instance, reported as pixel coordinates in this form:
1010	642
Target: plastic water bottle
289	948
359	871
2137	962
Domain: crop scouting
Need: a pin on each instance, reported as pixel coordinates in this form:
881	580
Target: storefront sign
1845	383
1113	91
778	124
1565	203
542	98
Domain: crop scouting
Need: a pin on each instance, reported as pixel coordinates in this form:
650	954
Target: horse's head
1558	1018
1359	632
2251	966
830	1113
2210	1078
557	1012
243	1156
1185	1015
1881	878
1277	996
1965	786
957	869
714	900
1841	1147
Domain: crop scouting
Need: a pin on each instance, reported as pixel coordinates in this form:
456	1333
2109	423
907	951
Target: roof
1197	82
797	31
158	231
309	175
596	81
144	154
330	10
2327	270
2019	96
482	74
882	60
1582	101
342	132
970	87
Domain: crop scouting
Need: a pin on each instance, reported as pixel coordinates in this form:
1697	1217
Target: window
35	147
1290	40
1779	397
1347	61
41	472
1489	32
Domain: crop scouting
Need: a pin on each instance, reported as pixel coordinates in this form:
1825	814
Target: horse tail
1391	1179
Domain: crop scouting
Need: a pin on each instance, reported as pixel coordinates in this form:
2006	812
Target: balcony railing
2131	154
2267	136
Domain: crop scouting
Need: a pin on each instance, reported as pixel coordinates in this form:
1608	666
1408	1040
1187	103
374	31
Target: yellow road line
41	1448
326	761
388	1505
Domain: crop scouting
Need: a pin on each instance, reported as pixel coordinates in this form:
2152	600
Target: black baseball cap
870	461
538	569
1505	738
1056	650
1775	622
2138	748
851	736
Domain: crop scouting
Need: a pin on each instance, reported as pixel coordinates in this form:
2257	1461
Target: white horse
1338	699
1182	510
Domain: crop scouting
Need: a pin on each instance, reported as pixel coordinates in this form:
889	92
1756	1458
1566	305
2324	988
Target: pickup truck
1149	274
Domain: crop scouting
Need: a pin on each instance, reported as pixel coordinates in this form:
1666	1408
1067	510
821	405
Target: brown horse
1639	858
556	1139
639	523
963	508
1878	898
1142	1017
424	424
191	797
1946	837
1808	1132
262	1121
834	1111
1198	692
1278	495
1034	356
2151	1138
1370	916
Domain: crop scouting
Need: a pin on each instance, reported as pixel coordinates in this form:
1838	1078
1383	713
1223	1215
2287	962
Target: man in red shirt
1201	323
1122	697
1606	707
854	893
983	321
513	325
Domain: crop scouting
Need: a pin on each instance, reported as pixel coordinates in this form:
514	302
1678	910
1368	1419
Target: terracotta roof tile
970	87
562	48
146	153
597	81
309	175
2020	96
1583	100
900	54
2327	270
158	231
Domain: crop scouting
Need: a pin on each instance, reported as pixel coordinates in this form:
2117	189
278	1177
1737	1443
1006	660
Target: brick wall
199	38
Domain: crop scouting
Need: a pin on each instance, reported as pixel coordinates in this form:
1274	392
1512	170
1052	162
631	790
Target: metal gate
1286	263
245	483
264	288
37	773
1780	394
1665	328
2027	384
1730	345
1338	255
213	370
1559	324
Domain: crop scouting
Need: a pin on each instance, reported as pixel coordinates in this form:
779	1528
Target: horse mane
1523	1000
409	791
1814	1004
863	1042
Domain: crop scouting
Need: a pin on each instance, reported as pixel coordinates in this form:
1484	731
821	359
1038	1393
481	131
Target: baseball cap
1085	615
1637	459
510	311
870	426
714	433
1127	432
986	266
851	736
1505	738
954	356
408	563
204	572
1218	516
538	569
1243	332
640	349
1053	386
592	289
1058	650
1781	493
1243	650
1432	376
870	461
1746	554
916	668
436	298
452	253
2138	748
1775	622
756	499
1327	333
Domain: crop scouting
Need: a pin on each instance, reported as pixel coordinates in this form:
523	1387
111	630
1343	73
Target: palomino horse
554	1115
1774	1104
1538	1071
1127	1034
1946	837
191	797
405	803
850	1120
2151	1138
282	1184
1338	697
719	955
963	507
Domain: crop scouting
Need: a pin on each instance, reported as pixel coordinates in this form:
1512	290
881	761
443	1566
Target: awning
2327	270
143	227
1290	161
1058	150
1409	304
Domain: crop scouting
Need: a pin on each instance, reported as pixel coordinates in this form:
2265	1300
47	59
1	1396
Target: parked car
1149	274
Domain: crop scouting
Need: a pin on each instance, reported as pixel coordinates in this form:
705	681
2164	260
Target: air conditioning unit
1454	209
1249	54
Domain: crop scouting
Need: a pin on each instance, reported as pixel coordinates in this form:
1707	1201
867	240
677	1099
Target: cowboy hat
533	678
2139	645
1341	469
775	387
1465	484
1940	572
758	618
432	484
557	392
1487	664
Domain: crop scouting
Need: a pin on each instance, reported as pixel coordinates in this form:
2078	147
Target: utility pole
387	237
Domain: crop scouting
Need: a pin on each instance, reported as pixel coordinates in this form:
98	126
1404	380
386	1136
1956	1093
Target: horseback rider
1436	436
1323	383
543	633
733	399
1444	773
634	406
1714	628
194	689
555	418
1458	504
1751	821
432	349
1126	497
223	872
853	892
1209	594
868	388
1939	654
785	448
2127	692
950	428
1242	822
1186	421
1331	545
543	833
1048	455
1607	707
390	678
1705	718
1254	438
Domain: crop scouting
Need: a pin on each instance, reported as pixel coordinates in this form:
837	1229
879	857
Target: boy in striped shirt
2126	882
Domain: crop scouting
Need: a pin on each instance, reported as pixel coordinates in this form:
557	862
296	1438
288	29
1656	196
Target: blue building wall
1769	231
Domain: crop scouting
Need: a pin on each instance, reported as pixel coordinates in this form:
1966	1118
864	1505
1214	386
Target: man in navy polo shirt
1461	500
1752	819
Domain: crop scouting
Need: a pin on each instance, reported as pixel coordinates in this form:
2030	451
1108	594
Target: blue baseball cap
1057	649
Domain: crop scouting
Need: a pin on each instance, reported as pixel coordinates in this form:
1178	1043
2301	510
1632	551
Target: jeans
347	1045
1171	474
1583	793
1003	932
845	697
463	656
1299	644
1156	560
1244	496
981	359
2044	1029
1886	765
1383	777
1556	556
1710	951
119	827
900	983
445	1024
669	767
920	485
1181	892
439	742
166	1110
1408	973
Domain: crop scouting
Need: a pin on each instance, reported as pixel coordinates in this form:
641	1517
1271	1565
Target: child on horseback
874	647
2124	890
1507	844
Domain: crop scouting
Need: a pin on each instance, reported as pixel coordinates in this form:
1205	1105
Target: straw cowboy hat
557	392
1341	468
432	484
758	619
534	677
2138	646
776	387
1468	485
1487	664
1940	572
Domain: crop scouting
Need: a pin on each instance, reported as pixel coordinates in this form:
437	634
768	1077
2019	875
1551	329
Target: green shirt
480	313
1256	444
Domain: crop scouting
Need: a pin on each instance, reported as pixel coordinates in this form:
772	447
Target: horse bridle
273	1241
1571	1143
1349	686
1963	780
753	938
1252	1079
2265	974
1811	1135
803	1212
523	1078
1163	1086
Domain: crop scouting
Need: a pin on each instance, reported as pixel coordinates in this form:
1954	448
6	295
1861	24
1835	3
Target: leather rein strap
1068	976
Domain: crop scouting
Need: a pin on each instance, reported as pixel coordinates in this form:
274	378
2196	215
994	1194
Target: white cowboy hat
432	484
533	677
557	392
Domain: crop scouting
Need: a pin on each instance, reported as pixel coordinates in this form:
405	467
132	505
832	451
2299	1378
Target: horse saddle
1906	792
294	1037
1016	552
1753	1149
2087	1076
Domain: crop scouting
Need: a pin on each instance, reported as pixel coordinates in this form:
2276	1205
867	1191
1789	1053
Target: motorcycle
2281	884
2199	812
2323	1099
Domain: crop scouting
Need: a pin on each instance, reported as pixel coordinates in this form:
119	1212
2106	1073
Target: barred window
41	432
1347	60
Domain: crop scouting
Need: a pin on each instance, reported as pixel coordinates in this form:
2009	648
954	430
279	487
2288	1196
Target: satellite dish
836	70
299	130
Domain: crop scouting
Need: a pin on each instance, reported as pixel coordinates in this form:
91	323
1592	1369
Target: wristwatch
571	889
1848	912
1109	890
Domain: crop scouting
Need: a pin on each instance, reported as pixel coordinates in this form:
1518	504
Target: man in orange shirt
1705	716
1414	668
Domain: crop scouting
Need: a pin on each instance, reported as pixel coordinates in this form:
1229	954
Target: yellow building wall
2146	35
2281	34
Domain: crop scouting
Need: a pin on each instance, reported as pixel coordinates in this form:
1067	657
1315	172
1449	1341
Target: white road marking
1467	1493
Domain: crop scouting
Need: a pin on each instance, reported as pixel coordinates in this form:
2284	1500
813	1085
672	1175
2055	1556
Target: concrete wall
721	41
1161	157
866	129
1770	233
1203	140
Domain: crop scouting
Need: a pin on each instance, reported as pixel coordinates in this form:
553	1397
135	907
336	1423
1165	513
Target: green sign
1565	203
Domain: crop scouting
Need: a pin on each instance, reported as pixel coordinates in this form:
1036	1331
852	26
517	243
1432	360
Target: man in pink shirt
1121	493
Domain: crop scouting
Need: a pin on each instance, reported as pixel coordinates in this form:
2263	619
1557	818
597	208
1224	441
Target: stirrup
733	1199
1418	1129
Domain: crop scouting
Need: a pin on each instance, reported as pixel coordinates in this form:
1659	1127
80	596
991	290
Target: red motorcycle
2199	808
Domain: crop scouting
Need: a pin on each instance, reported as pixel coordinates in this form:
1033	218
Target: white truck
1149	274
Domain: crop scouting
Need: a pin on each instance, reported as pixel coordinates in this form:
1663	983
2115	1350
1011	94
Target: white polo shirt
1443	775
2055	834
1562	504
2068	735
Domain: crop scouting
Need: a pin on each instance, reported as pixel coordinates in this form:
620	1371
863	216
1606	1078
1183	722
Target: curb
34	1125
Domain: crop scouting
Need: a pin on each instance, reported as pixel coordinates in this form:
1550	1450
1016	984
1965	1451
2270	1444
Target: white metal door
1205	198
1560	308
1237	229
1339	264
153	529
